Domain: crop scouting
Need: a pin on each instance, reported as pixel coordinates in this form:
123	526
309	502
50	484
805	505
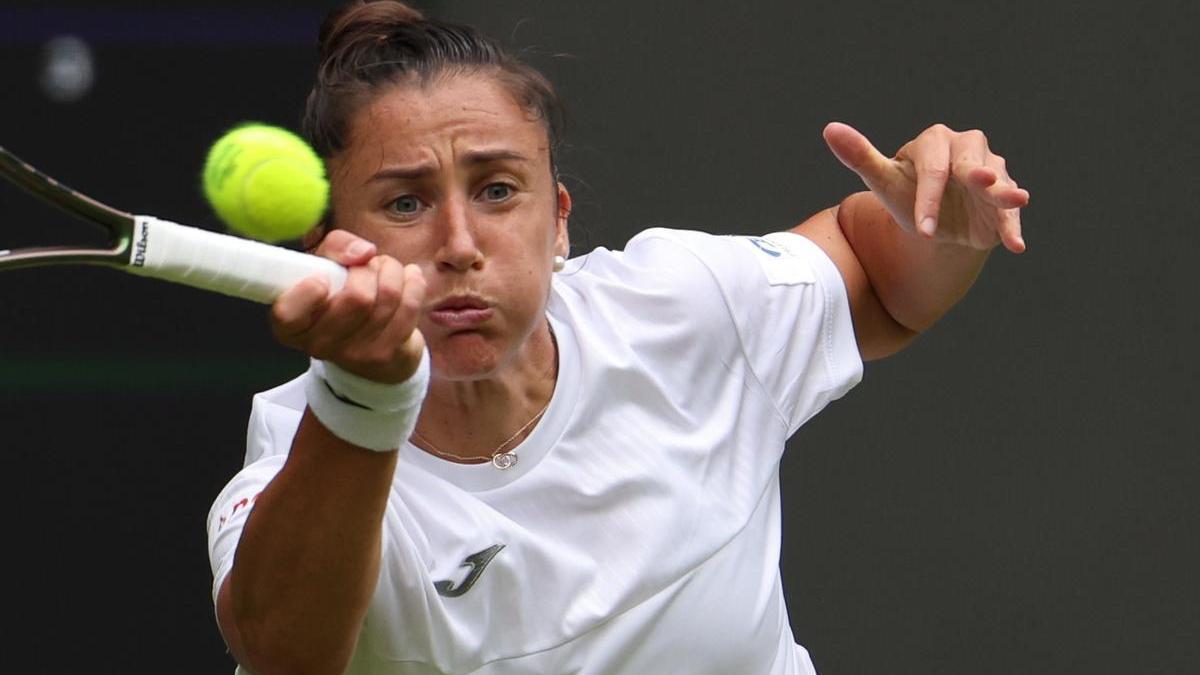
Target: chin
464	357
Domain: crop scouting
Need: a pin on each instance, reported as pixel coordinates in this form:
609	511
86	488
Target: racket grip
222	263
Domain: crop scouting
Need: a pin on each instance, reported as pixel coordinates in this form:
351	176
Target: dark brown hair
367	45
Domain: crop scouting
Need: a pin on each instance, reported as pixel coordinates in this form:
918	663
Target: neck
473	420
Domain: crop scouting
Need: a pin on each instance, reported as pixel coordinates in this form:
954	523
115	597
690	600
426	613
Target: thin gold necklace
500	460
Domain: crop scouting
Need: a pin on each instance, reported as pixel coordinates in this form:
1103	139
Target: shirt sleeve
227	517
789	307
274	419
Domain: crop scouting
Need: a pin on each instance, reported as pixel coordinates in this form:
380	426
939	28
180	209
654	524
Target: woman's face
455	176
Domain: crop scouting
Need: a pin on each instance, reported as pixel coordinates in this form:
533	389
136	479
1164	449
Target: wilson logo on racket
139	248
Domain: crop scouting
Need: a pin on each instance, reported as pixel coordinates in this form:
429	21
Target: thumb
854	151
345	248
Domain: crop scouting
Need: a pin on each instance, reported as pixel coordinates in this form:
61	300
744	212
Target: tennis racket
152	247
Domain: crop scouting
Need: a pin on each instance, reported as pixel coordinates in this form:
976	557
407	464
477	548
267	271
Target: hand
369	327
945	185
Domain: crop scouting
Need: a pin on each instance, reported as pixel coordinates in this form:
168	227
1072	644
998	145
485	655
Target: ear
562	235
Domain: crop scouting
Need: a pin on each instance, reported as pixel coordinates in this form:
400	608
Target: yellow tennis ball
265	182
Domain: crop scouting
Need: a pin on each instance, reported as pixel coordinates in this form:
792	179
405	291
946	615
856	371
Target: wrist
373	415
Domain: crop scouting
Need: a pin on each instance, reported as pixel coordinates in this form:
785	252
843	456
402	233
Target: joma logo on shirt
476	562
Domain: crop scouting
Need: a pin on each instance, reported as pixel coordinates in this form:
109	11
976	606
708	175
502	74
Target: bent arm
899	283
308	560
910	248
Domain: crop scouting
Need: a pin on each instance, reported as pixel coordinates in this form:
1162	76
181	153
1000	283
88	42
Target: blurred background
1014	493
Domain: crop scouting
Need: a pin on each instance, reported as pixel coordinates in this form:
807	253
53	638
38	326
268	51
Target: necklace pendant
504	460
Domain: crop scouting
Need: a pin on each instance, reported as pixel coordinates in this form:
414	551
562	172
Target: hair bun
363	19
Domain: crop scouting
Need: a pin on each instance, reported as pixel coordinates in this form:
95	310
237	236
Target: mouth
461	312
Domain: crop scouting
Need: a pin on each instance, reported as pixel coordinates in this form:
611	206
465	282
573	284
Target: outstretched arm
910	248
308	559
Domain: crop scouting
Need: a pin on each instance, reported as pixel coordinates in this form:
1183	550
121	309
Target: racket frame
152	247
118	224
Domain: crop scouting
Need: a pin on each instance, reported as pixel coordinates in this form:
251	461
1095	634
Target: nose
459	250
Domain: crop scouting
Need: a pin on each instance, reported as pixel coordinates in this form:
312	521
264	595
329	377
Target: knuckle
285	323
414	282
332	242
338	237
356	305
384	314
358	296
975	136
279	316
936	171
383	262
410	304
389	293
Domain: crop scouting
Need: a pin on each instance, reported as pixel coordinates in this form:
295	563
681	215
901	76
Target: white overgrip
219	262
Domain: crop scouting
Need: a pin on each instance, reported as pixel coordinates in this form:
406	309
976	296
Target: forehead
435	121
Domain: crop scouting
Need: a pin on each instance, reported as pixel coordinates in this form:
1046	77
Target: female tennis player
501	461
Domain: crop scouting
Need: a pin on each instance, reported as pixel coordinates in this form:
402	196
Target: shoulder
779	258
659	276
661	260
662	272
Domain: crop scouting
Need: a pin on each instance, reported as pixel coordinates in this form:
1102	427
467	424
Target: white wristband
369	414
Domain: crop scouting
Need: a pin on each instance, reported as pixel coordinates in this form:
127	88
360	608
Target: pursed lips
461	312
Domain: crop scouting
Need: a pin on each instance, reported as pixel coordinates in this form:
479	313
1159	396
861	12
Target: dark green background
1013	494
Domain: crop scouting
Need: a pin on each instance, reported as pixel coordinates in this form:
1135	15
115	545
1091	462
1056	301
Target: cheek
526	284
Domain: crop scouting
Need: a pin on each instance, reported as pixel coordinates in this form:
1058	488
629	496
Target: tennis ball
265	182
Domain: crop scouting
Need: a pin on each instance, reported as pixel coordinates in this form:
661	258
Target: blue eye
407	205
497	192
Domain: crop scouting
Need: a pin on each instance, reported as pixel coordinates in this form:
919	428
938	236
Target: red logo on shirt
239	505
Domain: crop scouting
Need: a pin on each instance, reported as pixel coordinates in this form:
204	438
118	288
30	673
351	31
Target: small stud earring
559	263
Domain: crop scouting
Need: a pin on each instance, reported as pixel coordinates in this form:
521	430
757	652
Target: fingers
1009	230
990	199
930	156
296	310
857	153
394	315
408	310
985	176
1008	199
977	168
346	248
347	313
367	327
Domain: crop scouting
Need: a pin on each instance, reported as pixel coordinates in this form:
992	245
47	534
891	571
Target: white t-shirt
639	531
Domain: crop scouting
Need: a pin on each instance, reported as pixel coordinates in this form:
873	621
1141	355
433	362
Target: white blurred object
68	69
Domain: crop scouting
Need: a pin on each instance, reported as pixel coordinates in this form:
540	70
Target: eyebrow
485	156
472	158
